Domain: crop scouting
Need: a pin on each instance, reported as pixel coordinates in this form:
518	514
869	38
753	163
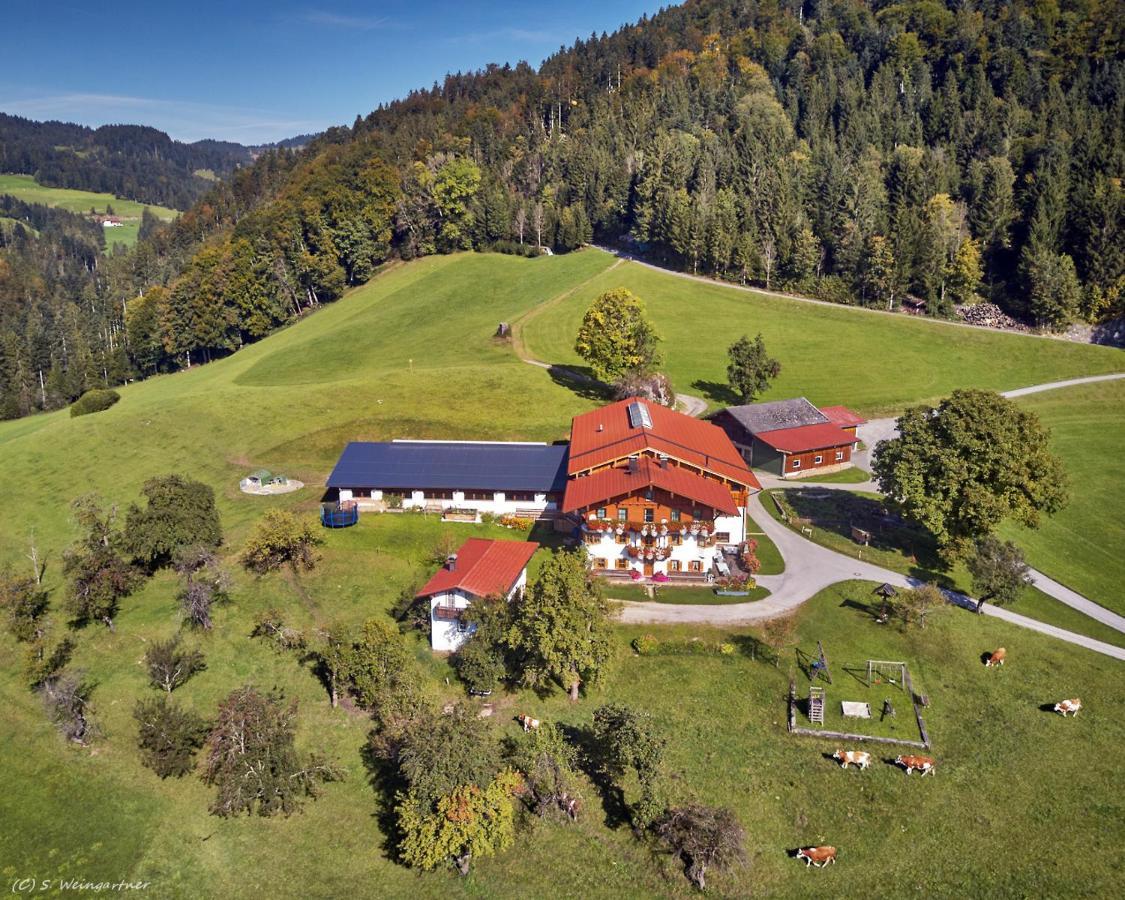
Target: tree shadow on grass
838	512
581	381
385	782
612	797
717	392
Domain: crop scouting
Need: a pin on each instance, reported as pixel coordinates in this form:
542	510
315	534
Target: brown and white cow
852	757
923	764
1068	706
528	723
817	856
996	658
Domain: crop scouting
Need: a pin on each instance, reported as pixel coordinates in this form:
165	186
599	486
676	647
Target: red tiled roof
842	416
601	486
484	567
672	434
806	437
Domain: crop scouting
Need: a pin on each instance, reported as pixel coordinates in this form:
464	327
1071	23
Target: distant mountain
132	161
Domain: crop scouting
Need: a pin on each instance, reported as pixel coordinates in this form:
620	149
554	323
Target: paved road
809	568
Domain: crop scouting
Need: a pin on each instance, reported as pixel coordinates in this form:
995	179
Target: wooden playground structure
893	673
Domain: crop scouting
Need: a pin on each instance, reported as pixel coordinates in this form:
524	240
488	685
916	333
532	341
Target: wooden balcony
447	613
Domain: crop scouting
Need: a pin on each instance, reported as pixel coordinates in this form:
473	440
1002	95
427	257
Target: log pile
989	315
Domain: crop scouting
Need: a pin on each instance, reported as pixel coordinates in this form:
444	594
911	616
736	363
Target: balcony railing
447	613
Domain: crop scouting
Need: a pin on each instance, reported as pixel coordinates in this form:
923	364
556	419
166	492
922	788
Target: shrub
168	736
93	401
646	645
392	501
280	539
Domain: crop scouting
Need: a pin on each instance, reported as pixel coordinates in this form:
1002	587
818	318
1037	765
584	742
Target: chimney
601	427
451	562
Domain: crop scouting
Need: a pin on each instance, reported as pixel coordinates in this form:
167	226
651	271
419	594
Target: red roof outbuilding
842	416
483	567
605	484
806	437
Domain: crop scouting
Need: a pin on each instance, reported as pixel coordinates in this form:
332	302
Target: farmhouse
650	490
792	438
656	492
479	568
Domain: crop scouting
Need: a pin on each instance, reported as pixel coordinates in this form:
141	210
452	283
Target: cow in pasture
1068	706
817	856
923	764
852	757
528	723
996	658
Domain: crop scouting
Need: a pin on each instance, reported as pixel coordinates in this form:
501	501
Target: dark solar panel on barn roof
452	465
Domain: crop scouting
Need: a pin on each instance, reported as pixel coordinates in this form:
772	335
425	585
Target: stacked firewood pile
989	315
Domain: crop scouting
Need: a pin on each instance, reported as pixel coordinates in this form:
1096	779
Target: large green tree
616	336
561	625
750	369
179	513
98	576
962	468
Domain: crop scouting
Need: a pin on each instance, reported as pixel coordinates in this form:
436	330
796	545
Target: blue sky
255	72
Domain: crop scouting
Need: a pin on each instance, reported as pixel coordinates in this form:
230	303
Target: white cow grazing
852	757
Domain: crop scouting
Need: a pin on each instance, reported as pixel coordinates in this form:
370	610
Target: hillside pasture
1083	545
27	189
874	362
289	403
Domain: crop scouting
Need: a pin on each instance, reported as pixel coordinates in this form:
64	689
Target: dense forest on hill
131	161
859	152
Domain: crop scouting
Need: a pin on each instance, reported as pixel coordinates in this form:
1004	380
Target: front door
648	568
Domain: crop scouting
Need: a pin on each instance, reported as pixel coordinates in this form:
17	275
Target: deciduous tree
974	461
170	665
168	736
469	822
560	625
252	761
99	577
999	571
279	539
751	368
617	337
179	514
703	837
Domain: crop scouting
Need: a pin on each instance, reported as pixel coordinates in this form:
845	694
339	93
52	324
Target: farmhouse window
648	493
599	562
650	515
479	495
796	464
621	564
677	539
696	514
601	513
839	455
675	515
674	565
818	459
622	514
722	537
695	566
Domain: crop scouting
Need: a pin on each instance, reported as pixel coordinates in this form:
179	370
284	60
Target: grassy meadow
874	362
1083	546
25	188
412	355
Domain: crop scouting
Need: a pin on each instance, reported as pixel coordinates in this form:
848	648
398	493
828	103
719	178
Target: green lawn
697	595
873	362
851	475
724	717
1083	546
910	550
25	187
289	403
